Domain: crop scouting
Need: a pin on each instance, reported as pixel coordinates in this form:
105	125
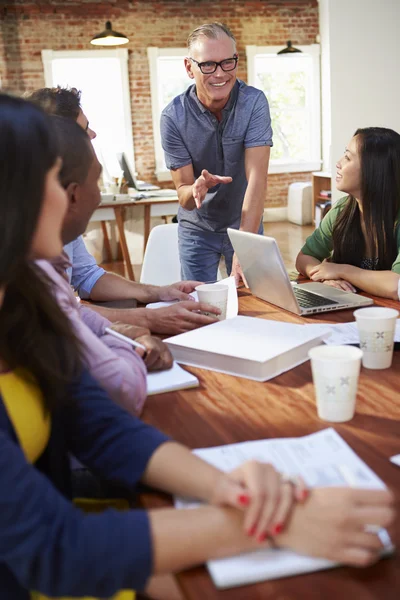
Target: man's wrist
152	294
148	318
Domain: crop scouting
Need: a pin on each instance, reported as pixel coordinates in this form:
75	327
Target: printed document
323	459
345	333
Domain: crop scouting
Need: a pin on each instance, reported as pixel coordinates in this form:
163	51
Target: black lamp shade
108	37
289	49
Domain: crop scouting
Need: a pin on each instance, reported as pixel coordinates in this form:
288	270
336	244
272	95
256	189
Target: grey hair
209	30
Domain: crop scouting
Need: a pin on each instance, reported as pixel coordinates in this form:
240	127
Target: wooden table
102	214
228	409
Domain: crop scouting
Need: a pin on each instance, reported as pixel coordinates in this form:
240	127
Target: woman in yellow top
357	244
49	406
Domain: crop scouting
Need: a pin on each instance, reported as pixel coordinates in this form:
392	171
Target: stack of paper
246	346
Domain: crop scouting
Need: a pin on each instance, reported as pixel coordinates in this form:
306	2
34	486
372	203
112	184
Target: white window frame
153	53
312	50
122	54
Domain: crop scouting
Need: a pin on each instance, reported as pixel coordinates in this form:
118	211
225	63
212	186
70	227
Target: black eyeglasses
210	66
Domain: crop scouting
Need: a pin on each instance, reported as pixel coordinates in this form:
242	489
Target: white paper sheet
175	378
345	333
317	458
322	459
232	308
395	459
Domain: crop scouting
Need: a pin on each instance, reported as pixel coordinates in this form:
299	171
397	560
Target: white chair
161	265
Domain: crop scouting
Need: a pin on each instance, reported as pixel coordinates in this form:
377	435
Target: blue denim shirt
85	272
191	134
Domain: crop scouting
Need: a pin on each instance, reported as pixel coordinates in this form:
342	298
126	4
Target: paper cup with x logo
376	326
335	371
215	294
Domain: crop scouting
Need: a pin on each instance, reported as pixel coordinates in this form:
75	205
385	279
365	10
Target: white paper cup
376	327
215	294
335	371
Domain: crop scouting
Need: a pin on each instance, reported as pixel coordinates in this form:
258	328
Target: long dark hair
379	150
35	335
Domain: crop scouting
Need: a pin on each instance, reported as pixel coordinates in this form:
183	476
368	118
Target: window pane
286	82
172	78
100	81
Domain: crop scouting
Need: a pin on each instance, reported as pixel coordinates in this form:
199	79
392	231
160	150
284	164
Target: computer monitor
129	178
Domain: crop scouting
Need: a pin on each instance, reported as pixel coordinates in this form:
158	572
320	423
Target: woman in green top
357	244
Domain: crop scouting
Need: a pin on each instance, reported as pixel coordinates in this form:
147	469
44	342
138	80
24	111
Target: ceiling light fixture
108	37
289	49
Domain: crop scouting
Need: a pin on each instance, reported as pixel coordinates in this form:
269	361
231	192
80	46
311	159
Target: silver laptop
263	267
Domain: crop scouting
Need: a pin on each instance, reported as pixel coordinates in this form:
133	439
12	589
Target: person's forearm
304	263
194	478
253	205
185	197
113	287
377	283
184	538
131	316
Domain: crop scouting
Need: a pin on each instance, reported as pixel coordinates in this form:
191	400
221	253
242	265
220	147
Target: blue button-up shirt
84	272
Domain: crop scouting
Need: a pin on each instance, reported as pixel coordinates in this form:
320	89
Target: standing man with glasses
216	137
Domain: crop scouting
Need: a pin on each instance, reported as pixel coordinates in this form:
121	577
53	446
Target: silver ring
291	479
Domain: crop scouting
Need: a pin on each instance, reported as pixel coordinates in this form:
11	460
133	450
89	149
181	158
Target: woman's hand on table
263	494
340	284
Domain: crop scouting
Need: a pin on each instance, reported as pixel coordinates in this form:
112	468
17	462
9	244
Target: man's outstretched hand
204	183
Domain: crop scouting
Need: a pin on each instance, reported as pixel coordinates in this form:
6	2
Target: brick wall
26	27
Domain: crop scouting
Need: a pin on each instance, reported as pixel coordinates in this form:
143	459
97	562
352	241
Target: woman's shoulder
337	208
341	203
5	423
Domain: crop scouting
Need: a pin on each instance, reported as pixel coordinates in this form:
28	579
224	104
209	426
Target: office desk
228	409
116	210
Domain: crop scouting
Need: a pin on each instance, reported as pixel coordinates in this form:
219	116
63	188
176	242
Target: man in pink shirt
115	364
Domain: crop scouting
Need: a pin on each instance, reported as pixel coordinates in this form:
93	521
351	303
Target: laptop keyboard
307	299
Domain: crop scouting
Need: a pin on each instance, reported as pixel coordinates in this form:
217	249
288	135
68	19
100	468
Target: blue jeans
200	252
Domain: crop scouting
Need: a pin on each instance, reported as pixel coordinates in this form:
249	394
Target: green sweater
319	243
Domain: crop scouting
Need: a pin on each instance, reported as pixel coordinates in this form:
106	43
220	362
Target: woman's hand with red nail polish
265	496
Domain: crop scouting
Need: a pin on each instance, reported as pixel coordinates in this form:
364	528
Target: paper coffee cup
335	371
376	326
215	294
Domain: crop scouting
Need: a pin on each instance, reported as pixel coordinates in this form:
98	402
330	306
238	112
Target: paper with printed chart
323	459
232	308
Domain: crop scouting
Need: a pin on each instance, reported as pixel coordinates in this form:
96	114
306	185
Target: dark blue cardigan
46	543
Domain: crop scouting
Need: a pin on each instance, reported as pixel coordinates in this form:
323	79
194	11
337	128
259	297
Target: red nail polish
251	531
277	529
262	537
243	499
304	494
